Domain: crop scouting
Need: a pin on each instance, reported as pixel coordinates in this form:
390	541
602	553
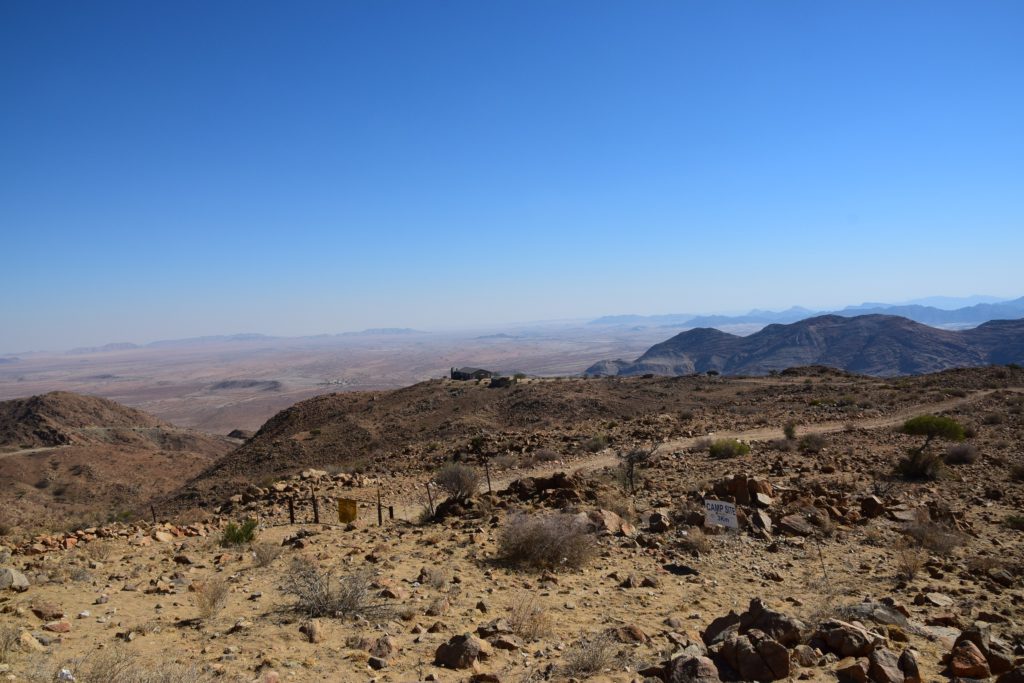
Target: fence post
316	510
380	511
291	510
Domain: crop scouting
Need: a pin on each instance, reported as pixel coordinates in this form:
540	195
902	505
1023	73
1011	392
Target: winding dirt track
609	459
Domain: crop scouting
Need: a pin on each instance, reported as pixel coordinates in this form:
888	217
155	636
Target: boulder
847	640
756	656
883	666
796	524
785	629
721	629
852	670
690	670
13	579
460	652
967	661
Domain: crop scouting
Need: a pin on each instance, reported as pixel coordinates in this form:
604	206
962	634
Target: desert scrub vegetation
211	596
8	643
558	541
116	665
596	443
528	618
264	554
961	454
589	655
909	562
934	537
235	535
460	482
1015	522
933	427
789	430
728	448
812	443
918	465
318	592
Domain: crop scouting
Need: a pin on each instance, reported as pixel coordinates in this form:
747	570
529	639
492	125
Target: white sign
720	513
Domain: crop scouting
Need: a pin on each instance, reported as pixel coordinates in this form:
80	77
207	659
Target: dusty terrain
69	459
911	568
219	386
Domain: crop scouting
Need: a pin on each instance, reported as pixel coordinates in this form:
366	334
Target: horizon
178	171
513	326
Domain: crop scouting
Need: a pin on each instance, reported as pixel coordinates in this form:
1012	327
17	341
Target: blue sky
175	169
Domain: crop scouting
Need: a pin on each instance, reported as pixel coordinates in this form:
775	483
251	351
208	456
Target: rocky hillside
880	345
66	456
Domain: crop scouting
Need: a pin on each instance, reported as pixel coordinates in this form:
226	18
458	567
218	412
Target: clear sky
170	169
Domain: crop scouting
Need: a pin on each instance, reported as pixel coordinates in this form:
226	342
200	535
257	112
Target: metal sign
347	510
720	513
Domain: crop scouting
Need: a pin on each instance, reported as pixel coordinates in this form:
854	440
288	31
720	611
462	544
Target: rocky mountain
881	345
67	456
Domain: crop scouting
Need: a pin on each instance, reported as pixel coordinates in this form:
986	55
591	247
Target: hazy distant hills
882	345
930	311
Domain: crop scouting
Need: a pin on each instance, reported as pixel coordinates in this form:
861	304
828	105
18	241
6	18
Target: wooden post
391	511
152	508
291	510
487	472
316	510
380	511
430	499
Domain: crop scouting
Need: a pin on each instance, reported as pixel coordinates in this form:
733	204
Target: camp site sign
720	513
346	510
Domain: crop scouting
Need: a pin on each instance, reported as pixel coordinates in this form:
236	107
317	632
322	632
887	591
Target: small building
470	373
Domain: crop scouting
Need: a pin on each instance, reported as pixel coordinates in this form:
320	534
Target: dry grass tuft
910	561
116	665
529	619
589	655
264	554
211	596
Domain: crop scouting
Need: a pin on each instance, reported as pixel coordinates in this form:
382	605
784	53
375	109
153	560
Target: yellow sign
347	510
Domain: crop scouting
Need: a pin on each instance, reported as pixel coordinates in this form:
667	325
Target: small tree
630	461
932	427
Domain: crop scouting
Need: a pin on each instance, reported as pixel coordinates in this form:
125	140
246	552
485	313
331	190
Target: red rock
967	661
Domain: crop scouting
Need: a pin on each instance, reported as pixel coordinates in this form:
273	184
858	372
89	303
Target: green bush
1015	522
919	464
239	535
789	429
728	448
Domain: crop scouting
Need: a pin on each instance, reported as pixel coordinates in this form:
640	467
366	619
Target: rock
785	629
847	640
756	656
313	630
852	670
658	522
377	663
460	652
871	507
61	626
883	666
47	611
1014	676
29	643
908	665
967	661
13	579
721	629
690	670
805	655
796	524
384	647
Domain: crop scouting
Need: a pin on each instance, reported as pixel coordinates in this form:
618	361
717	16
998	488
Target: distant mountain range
882	345
964	316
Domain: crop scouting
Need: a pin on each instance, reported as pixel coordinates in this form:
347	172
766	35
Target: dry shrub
211	596
547	455
265	553
116	665
549	542
318	593
909	562
812	443
617	504
937	538
1015	522
589	655
1017	472
99	551
8	643
728	448
961	454
696	541
920	465
596	443
529	619
461	482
